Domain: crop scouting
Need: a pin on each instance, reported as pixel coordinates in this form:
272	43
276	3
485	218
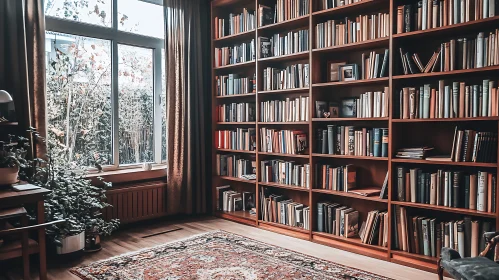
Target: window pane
96	12
163	108
139	17
136	110
79	97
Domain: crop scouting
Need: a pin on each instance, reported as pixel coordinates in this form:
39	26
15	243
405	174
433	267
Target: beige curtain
187	70
22	61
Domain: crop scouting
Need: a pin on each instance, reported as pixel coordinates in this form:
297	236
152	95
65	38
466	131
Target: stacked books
234	166
463	53
283	141
374	230
230	201
336	219
244	52
290	9
427	236
373	67
349	140
289	110
365	27
329	4
429	14
233	84
284	44
239	139
413	153
277	208
293	76
448	188
236	112
456	100
474	146
285	172
341	178
238	23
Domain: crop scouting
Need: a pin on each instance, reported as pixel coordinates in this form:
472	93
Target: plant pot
72	244
92	242
8	176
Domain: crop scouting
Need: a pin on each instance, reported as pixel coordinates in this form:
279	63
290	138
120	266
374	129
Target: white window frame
118	37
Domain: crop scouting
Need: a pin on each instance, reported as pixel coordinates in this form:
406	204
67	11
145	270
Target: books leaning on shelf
244	52
374	230
463	53
457	189
231	201
239	139
413	153
238	23
429	14
283	141
336	219
427	236
233	84
340	32
276	208
293	76
474	146
349	140
284	44
234	166
285	172
454	100
290	9
329	4
341	178
289	110
236	112
374	65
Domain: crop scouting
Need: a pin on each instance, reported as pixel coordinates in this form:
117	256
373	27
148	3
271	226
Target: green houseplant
12	157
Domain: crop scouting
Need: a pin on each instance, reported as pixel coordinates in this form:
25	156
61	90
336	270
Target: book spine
400	184
377	142
384	142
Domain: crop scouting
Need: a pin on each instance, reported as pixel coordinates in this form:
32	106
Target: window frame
118	37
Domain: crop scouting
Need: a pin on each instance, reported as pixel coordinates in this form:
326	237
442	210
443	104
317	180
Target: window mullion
157	105
115	105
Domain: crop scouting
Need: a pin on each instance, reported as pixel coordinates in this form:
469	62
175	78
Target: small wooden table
10	198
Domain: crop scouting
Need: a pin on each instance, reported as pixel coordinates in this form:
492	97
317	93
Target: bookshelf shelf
348	119
447	120
352	195
293	56
448	73
236	151
350	83
355	7
236	123
9	123
353	240
228	178
297	229
449	29
283	155
237	214
446	209
450	163
350	157
287	24
283	186
236	65
237	95
368	44
289	90
247	35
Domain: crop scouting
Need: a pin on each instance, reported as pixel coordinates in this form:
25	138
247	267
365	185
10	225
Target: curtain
22	61
188	111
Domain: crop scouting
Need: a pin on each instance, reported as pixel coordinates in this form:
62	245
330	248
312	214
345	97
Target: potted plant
12	157
72	198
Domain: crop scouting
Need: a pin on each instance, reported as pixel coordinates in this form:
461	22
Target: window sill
121	176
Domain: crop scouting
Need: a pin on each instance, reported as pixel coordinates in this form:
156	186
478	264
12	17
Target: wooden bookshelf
402	132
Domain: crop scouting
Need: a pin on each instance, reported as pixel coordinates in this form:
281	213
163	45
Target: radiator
136	202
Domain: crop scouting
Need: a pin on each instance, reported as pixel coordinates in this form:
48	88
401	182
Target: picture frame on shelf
348	72
333	70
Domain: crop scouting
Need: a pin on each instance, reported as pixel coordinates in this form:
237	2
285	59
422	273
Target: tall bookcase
402	132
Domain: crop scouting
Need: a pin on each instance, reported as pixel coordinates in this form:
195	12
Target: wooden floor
132	239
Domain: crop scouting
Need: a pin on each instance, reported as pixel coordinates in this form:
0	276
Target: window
106	81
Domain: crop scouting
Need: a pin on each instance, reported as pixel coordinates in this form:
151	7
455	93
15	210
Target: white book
479	49
492	8
485	11
424	19
482	191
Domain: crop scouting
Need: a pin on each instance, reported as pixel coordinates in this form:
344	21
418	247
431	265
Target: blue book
384	142
455	99
330	139
485	98
426	102
421	102
475	101
446	102
377	142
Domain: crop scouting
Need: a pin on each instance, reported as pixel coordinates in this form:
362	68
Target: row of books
340	32
475	191
230	200
374	230
293	76
463	53
289	110
329	4
290	9
337	219
285	172
456	100
234	166
350	140
372	104
236	112
474	146
276	208
427	14
284	44
234	84
427	236
239	139
373	67
238	23
244	52
340	178
283	141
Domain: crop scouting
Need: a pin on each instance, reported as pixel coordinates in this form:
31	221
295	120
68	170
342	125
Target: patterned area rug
218	255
